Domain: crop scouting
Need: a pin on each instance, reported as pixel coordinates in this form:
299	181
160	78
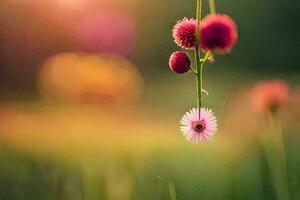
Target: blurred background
90	110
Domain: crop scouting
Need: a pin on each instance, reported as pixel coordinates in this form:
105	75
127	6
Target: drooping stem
212	6
199	65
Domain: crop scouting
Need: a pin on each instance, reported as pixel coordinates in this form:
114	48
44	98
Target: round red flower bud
184	33
179	62
218	33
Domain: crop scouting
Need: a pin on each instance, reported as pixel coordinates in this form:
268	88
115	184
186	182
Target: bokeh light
107	31
88	78
72	4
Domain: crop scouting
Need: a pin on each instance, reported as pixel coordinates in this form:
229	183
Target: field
89	108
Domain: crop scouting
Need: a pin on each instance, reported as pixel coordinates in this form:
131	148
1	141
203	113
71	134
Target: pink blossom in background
198	125
106	32
268	96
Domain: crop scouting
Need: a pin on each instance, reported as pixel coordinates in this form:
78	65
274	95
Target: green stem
198	77
199	65
198	15
172	191
275	153
281	174
212	6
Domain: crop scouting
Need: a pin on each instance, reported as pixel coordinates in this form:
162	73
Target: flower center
199	126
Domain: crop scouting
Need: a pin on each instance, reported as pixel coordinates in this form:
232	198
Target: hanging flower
218	33
198	125
179	62
184	33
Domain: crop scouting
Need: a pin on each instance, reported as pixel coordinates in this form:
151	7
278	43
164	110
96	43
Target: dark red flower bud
179	62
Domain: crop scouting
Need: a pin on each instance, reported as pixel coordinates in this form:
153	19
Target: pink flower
218	33
179	62
184	33
268	96
198	126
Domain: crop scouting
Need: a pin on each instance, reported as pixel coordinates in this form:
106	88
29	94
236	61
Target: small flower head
184	33
179	62
198	125
269	96
218	33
